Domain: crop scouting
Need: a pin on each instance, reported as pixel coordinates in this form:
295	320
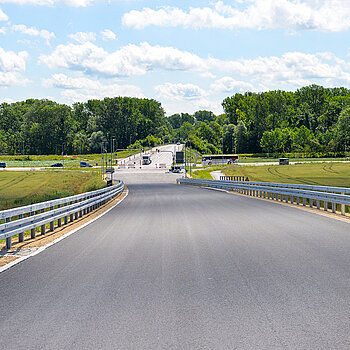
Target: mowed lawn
18	188
326	174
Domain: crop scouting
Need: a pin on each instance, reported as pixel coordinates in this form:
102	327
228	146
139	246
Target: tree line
311	120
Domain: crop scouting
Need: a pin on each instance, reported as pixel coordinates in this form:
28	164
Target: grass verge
324	174
19	188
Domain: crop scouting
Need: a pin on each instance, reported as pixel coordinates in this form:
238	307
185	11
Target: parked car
57	165
85	165
2	165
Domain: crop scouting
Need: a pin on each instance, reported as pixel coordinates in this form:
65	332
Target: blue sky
189	55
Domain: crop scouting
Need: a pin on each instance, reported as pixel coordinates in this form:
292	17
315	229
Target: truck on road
146	159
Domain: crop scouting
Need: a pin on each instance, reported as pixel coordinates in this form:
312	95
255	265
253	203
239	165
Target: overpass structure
180	267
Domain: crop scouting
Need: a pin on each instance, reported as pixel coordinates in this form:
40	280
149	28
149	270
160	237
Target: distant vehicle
177	169
284	161
57	165
110	170
214	159
178	143
146	159
2	165
85	165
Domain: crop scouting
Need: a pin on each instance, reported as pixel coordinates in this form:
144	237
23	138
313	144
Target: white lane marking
41	249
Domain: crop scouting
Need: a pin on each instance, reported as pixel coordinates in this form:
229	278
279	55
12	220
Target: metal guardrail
344	190
19	220
328	196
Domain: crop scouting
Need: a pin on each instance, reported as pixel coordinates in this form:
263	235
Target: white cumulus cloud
12	79
81	89
107	34
72	3
324	15
3	16
230	85
32	31
83	37
290	70
127	61
11	64
179	91
11	61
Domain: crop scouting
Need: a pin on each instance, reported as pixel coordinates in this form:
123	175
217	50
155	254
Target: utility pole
190	159
63	154
185	158
111	150
233	143
106	155
23	153
345	145
102	159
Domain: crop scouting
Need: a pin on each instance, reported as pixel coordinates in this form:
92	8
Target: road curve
176	267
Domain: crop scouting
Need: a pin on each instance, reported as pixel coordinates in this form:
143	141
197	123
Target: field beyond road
18	188
325	174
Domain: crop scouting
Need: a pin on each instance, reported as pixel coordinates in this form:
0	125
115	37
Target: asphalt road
159	155
175	267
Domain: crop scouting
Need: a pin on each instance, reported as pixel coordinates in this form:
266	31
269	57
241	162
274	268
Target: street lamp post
23	153
185	159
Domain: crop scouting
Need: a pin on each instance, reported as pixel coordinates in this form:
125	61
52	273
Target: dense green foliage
44	127
312	120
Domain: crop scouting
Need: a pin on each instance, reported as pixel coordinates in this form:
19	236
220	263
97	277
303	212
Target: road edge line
41	249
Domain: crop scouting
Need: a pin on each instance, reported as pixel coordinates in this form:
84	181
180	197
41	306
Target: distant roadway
176	267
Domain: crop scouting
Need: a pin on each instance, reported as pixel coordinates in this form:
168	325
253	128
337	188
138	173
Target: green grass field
18	188
70	162
326	174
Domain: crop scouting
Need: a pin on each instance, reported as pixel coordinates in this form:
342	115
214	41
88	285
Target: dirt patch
20	249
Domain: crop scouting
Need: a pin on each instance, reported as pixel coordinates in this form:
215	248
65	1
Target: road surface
160	156
176	267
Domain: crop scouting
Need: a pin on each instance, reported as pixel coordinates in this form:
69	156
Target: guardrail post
8	239
311	203
304	201
298	200
286	198
334	207
43	228
52	223
342	207
20	235
318	204
59	221
33	230
325	207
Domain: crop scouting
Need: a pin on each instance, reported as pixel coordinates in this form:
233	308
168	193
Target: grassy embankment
326	174
19	188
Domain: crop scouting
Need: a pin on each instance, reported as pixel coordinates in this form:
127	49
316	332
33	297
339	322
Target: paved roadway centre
175	267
